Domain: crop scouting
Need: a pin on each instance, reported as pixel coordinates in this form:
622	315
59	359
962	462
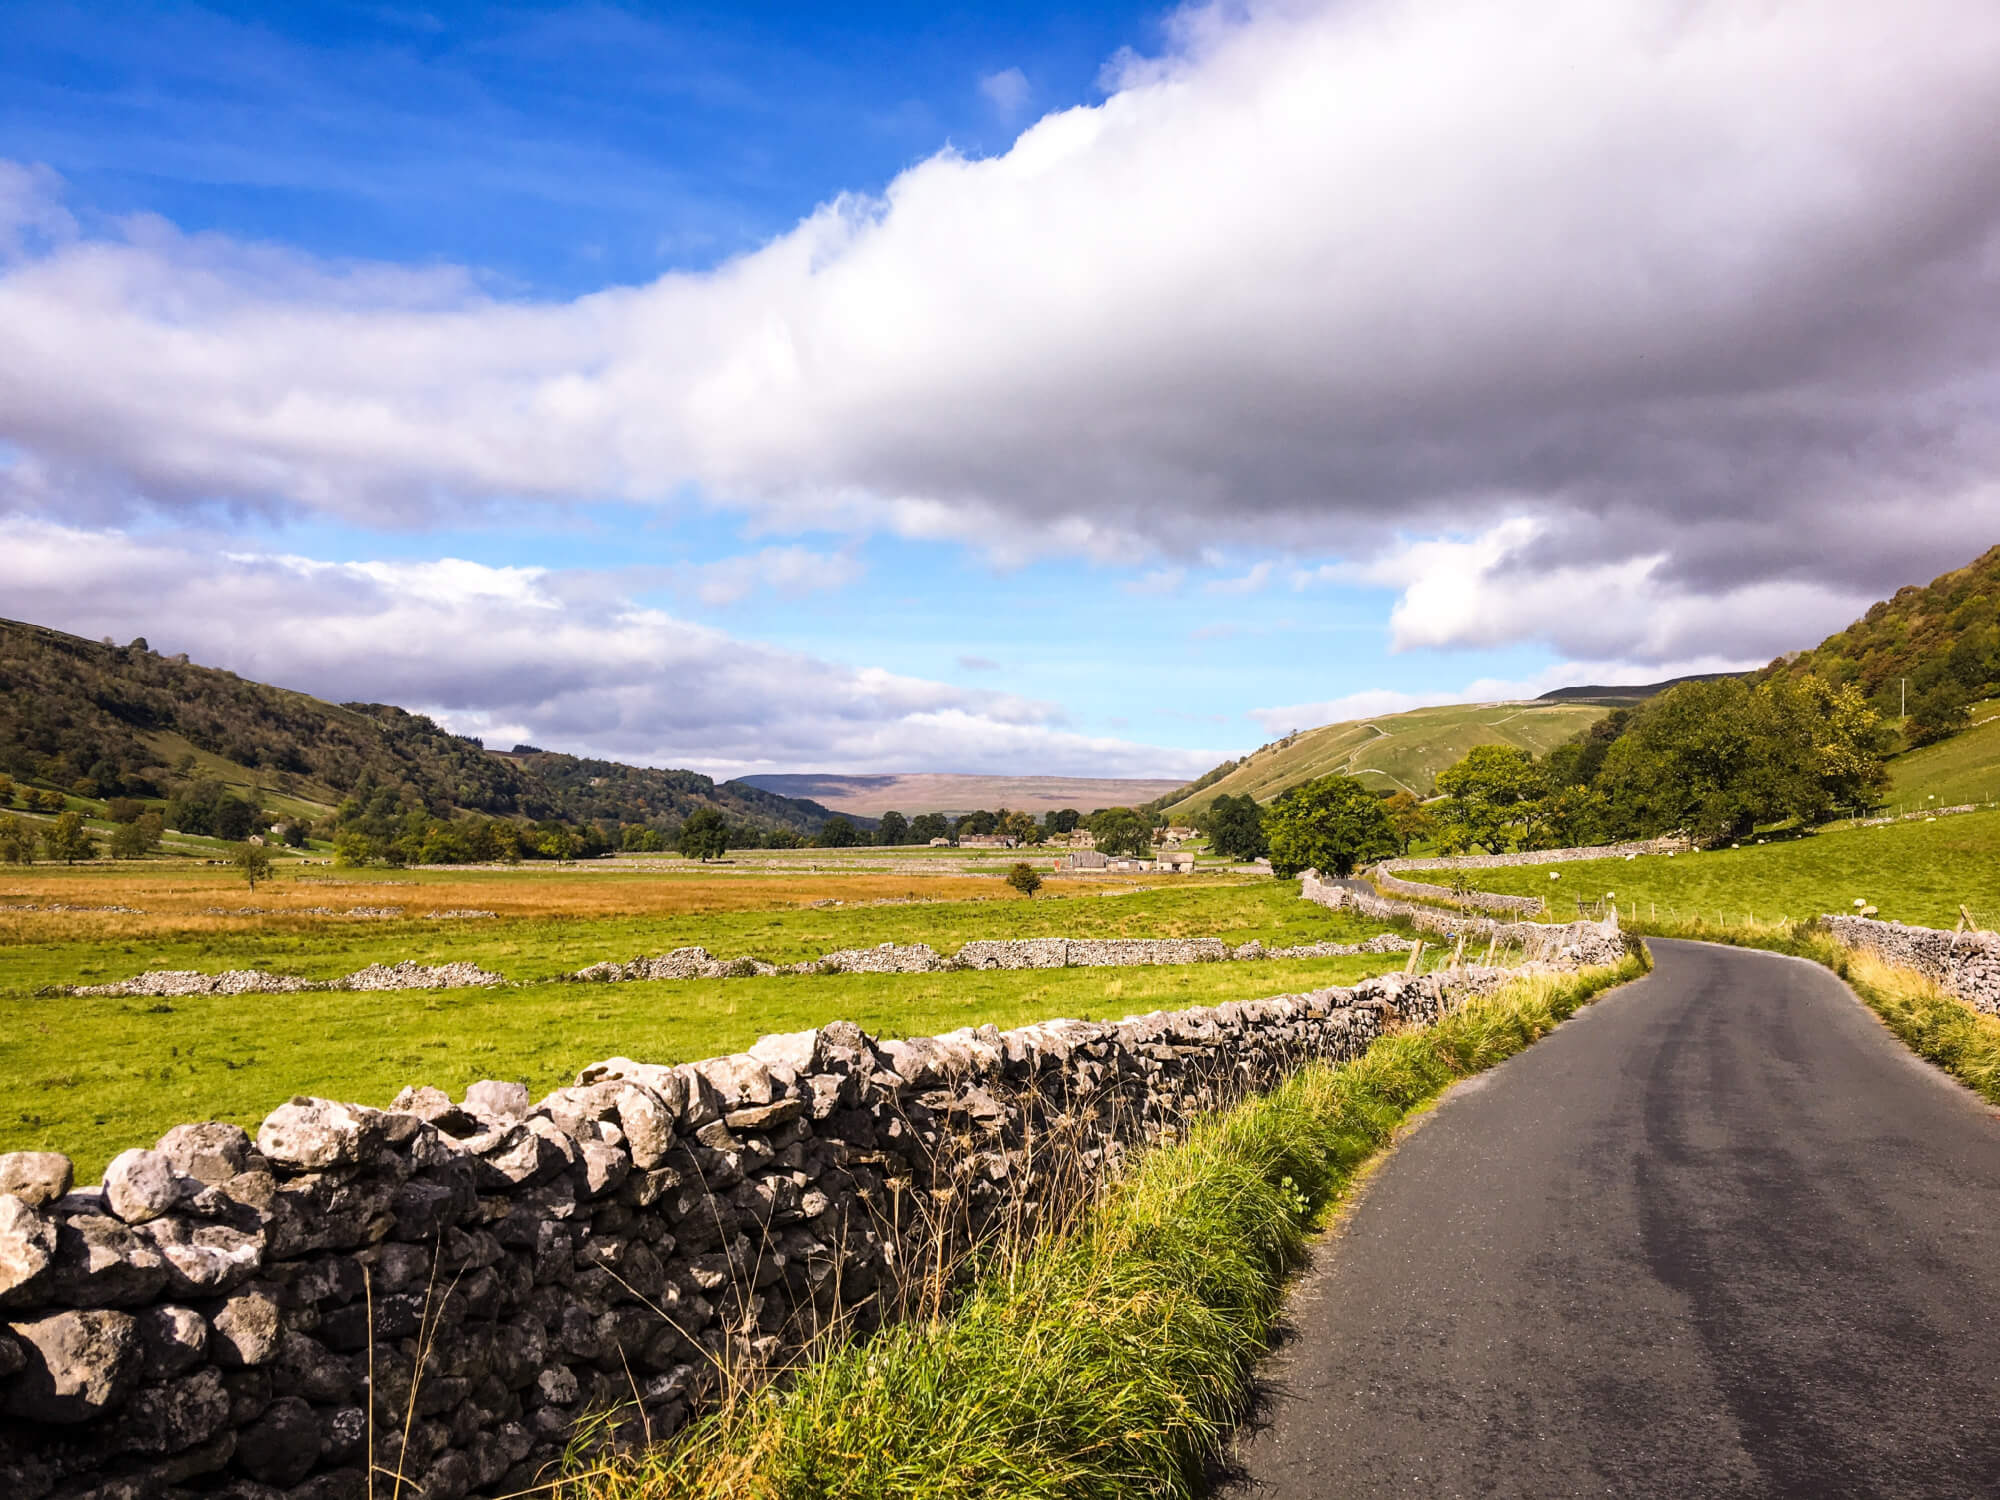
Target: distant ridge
928	791
1621	696
106	720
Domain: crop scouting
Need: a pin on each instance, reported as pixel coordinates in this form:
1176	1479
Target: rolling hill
103	720
1398	751
911	793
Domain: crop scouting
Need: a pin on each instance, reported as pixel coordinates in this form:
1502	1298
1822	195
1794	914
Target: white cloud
1008	91
1692	288
791	572
1503	586
1251	582
525	654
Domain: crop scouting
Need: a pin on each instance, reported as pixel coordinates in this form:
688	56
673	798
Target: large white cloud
1709	293
525	654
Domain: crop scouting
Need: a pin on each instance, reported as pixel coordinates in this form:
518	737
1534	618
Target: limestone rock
79	1365
173	1340
27	1246
212	1152
175	1416
739	1080
493	1099
315	1133
139	1186
35	1177
247	1331
281	1446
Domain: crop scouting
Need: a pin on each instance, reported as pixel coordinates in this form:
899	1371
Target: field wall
461	1288
1665	845
1568	942
1967	964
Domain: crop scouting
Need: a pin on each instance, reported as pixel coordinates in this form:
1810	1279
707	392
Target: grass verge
1112	1360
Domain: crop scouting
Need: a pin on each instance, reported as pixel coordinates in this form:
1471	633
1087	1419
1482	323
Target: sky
1093	391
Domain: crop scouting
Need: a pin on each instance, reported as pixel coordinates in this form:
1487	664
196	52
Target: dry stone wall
1011	953
1967	964
1568	942
1668	844
468	1281
1491	901
1386	877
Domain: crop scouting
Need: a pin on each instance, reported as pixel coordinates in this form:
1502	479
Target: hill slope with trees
106	721
1942	639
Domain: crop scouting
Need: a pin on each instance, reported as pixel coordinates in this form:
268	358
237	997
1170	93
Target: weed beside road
1111	1361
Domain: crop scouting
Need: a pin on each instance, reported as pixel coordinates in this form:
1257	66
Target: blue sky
908	387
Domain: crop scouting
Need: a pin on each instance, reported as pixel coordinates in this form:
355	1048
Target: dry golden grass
180	897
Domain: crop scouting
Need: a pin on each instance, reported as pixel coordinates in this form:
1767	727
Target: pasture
91	1076
1917	872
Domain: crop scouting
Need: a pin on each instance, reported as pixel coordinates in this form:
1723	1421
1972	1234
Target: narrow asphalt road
1720	1235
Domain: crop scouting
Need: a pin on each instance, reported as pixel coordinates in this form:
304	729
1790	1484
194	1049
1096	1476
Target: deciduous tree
1330	825
705	835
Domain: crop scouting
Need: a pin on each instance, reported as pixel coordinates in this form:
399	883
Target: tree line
1711	760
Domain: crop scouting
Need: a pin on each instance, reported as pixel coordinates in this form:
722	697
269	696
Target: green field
1399	751
92	1076
1913	872
1964	768
530	948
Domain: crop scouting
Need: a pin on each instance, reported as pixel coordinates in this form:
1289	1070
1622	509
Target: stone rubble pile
1967	964
205	1322
406	975
1013	953
1568	942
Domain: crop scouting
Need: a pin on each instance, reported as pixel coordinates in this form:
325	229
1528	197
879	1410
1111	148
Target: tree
1062	820
1120	830
893	829
1410	818
1938	712
1236	827
139	837
837	833
253	861
17	841
48	802
927	826
68	840
1330	825
1024	879
352	849
978	823
1719	758
1021	827
1491	799
704	836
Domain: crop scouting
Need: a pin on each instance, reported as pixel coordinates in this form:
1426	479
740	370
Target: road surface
1720	1235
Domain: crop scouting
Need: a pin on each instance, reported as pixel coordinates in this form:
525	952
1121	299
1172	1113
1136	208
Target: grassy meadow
1399	752
1964	768
1918	872
91	1076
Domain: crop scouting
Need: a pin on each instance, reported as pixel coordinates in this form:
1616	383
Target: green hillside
1964	768
1945	631
96	720
1399	751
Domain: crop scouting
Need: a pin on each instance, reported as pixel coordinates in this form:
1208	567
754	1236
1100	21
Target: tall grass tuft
1110	1361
